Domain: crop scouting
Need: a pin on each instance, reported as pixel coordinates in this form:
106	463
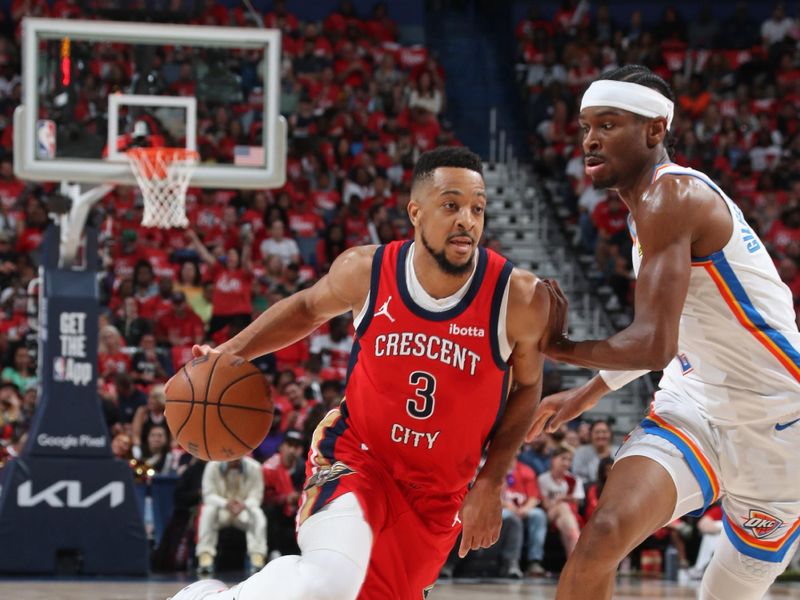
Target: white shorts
753	468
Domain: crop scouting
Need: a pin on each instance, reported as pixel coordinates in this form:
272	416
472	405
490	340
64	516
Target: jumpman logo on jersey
384	310
456	520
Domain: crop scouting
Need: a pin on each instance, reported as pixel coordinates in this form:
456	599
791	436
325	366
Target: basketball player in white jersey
712	312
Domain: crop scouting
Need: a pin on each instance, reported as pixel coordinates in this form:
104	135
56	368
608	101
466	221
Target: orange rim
153	162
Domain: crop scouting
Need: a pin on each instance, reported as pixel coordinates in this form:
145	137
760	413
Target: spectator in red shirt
790	275
785	231
610	215
111	358
160	304
333	348
181	326
35	223
185	84
594	491
522	504
380	26
207	215
281	494
10	186
355	223
425	128
295	417
326	198
233	282
306	226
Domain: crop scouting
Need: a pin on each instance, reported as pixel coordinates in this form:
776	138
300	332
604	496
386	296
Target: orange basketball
218	407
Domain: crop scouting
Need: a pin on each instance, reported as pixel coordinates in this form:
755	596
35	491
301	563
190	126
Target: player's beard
448	267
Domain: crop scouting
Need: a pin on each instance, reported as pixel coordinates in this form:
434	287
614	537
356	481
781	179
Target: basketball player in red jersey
439	322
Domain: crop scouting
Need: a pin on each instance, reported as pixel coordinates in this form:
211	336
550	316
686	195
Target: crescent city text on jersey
433	347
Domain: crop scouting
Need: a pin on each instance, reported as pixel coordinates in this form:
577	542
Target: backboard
92	89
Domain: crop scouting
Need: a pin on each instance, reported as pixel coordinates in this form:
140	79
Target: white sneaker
200	589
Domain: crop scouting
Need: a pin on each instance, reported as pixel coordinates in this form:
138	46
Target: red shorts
413	528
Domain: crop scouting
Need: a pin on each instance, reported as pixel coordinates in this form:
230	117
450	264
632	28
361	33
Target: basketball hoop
163	176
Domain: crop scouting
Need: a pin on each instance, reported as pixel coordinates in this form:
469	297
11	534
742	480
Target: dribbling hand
481	518
204	350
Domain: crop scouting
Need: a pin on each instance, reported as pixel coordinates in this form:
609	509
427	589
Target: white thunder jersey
738	347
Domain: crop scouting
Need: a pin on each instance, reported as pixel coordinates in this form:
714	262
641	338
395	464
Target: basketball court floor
151	589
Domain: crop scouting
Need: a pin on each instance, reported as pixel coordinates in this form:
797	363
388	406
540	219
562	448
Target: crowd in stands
361	108
736	83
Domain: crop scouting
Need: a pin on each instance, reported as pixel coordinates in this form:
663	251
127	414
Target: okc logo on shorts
761	524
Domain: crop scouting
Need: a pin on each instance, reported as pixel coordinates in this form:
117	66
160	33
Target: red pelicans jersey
426	389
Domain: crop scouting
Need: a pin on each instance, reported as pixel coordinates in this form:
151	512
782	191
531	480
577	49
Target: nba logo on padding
60	369
45	139
761	524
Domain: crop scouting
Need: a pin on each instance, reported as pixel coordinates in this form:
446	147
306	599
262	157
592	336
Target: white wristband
617	379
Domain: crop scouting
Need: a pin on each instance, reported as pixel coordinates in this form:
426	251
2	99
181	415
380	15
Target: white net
163	176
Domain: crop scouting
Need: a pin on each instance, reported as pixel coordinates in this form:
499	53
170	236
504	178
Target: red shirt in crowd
780	236
232	291
521	485
206	218
278	486
111	364
592	498
610	218
10	189
155	307
180	330
15	326
326	199
29	239
305	223
292	356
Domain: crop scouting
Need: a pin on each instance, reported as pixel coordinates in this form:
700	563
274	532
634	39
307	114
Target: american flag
248	156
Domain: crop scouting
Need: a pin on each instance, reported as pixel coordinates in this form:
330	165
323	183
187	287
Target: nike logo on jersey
782	426
383	311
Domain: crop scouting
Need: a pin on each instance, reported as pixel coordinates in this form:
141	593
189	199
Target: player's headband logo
632	97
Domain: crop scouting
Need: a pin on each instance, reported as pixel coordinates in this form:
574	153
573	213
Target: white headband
629	96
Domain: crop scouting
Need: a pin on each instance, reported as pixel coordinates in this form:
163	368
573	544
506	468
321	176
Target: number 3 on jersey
421	407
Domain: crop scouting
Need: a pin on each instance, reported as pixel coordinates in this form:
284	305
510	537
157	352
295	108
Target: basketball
218	407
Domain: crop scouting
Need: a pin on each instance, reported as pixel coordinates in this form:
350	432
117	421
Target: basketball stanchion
68	505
